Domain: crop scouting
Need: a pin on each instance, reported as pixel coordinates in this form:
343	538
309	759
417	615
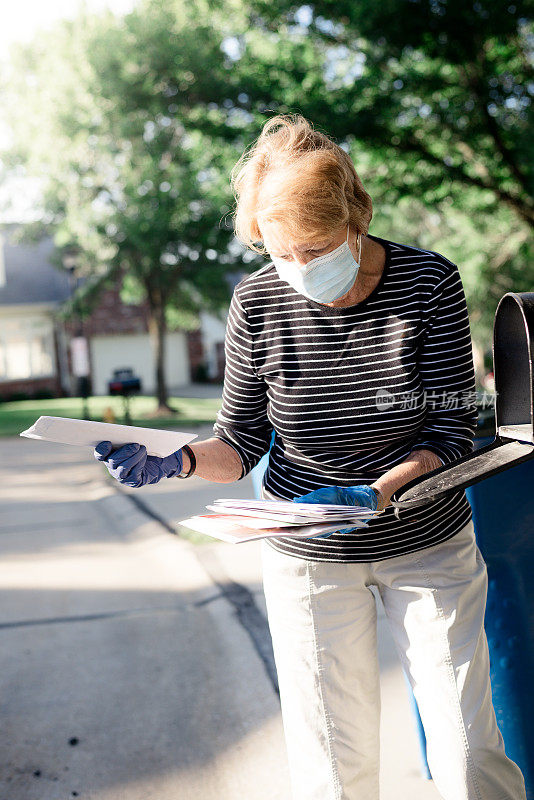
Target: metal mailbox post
499	478
126	384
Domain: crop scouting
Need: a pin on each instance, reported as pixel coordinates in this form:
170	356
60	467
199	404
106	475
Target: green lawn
16	417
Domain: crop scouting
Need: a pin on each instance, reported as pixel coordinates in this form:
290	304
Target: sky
23	18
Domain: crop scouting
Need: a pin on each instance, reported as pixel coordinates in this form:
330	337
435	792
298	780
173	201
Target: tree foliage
433	99
107	113
445	85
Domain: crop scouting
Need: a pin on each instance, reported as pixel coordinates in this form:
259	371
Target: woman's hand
342	496
131	466
417	463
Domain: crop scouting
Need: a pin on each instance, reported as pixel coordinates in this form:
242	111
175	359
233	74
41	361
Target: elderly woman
355	352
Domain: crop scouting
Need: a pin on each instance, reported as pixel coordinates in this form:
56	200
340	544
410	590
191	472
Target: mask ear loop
359	245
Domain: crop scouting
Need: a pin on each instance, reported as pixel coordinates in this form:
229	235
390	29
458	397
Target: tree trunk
157	327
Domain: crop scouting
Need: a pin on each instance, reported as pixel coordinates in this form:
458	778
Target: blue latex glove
341	496
131	466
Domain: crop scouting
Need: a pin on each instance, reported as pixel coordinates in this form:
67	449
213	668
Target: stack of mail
244	520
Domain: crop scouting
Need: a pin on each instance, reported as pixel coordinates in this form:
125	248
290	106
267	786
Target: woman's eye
311	252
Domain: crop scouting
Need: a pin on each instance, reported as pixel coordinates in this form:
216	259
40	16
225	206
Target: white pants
322	618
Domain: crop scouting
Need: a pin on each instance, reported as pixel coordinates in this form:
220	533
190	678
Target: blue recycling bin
503	516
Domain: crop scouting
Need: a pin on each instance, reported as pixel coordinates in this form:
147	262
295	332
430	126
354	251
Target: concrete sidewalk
136	665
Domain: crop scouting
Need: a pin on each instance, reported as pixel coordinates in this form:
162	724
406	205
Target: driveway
136	664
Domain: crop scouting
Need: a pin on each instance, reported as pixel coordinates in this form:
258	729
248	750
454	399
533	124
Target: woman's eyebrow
304	248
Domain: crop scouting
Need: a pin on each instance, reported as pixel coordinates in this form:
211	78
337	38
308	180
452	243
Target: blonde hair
300	179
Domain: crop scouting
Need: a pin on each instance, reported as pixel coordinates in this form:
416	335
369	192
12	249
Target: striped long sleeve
447	374
332	383
242	420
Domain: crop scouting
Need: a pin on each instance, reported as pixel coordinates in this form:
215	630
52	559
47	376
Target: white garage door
117	352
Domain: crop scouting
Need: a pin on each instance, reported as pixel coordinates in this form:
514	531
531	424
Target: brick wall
112	316
29	387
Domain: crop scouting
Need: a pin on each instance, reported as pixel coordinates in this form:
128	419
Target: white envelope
87	433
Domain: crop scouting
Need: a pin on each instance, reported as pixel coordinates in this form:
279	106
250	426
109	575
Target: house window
26	348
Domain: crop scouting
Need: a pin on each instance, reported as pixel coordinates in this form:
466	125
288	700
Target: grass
192	412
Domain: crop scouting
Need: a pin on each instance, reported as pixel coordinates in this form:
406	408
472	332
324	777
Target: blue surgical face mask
325	278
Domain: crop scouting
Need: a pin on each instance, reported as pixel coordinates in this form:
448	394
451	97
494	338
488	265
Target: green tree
432	100
109	112
445	85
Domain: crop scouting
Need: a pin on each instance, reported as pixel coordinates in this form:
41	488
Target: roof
27	274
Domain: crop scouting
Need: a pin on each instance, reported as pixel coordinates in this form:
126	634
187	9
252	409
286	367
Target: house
33	353
36	352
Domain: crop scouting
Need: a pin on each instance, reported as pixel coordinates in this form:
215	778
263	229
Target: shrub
15	396
43	394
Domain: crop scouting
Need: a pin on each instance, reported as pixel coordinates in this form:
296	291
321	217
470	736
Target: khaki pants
322	618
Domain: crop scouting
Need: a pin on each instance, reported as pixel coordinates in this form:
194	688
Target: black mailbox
513	359
513	366
124	382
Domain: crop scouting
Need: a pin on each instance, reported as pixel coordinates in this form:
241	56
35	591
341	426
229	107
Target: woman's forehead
277	239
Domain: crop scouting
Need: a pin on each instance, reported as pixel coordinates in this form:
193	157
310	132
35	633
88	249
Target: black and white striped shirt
350	392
